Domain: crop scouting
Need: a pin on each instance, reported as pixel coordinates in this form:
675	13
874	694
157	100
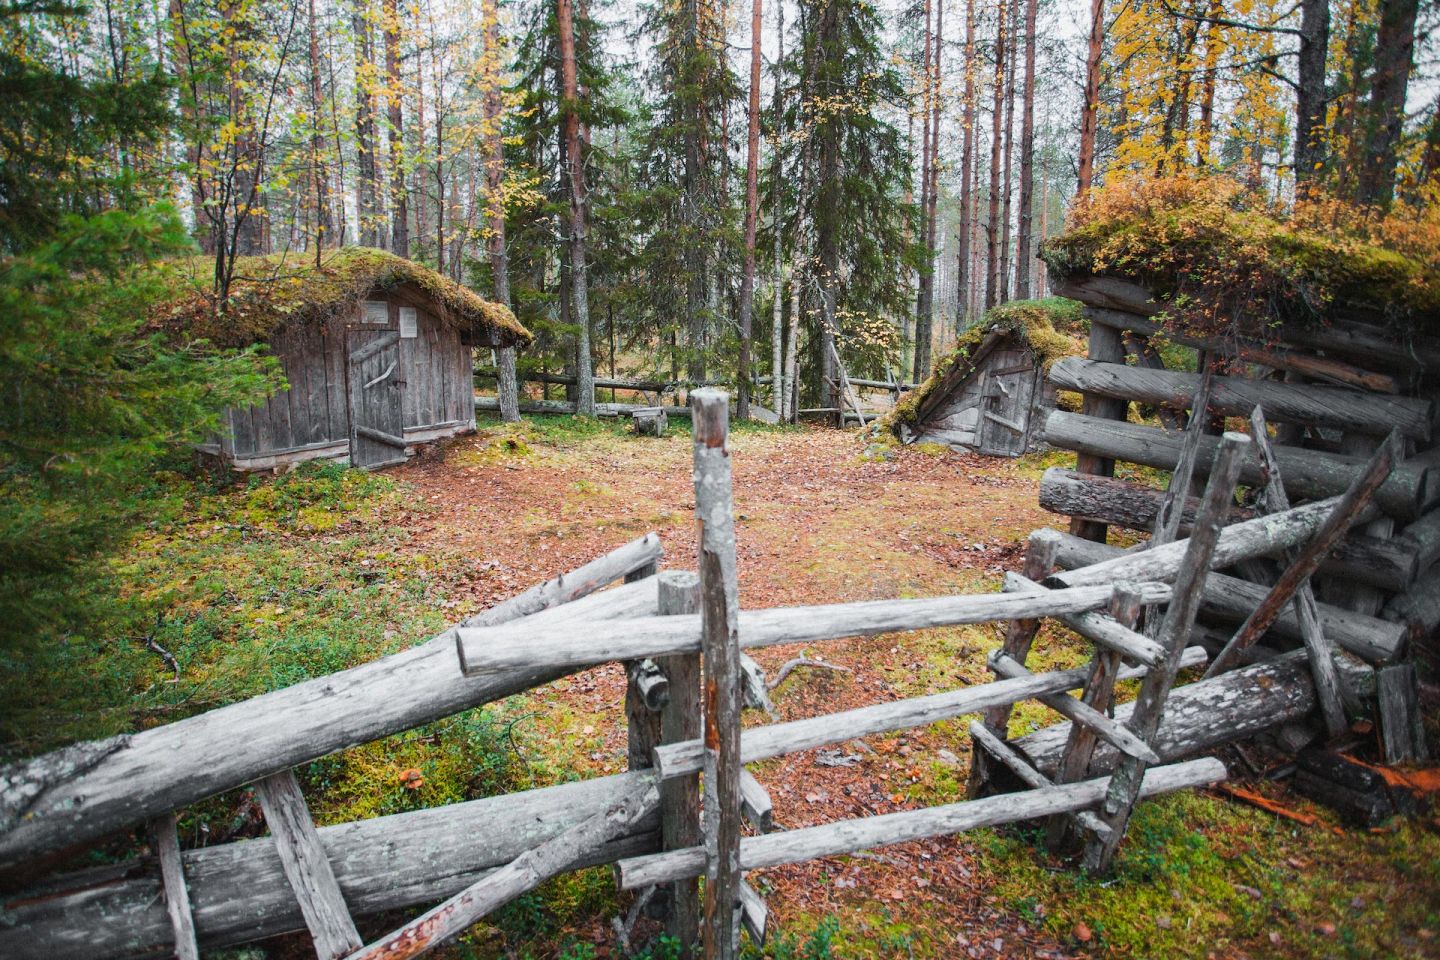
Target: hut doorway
1007	393
376	384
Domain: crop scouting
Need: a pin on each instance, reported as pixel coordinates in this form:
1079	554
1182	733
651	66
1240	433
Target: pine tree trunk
367	186
399	199
992	226
1006	167
575	169
1389	86
752	213
508	387
967	164
777	313
1090	111
933	193
319	176
923	301
1025	242
1311	96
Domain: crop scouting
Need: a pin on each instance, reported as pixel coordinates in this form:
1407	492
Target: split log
760	743
221	749
1305	404
755	803
177	897
1402	727
720	651
1231	598
1001	750
1098	627
753	913
848	836
1357	792
679	593
1308	473
306	866
240	894
448	920
1388	563
1203	715
517	645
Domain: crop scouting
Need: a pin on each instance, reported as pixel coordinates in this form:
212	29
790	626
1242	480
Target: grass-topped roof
271	291
1222	258
1052	328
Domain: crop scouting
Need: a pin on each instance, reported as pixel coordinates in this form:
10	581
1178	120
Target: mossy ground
260	584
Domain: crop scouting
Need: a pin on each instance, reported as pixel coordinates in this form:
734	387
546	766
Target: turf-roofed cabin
990	394
376	351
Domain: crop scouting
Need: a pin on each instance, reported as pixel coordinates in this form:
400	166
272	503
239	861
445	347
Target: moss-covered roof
271	291
1222	258
1053	328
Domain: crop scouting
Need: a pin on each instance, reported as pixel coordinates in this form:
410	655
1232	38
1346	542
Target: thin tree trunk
319	183
1394	59
967	162
1205	136
992	226
933	194
1025	241
367	186
777	313
399	201
752	213
508	387
1090	111
1311	96
923	296
575	169
1006	168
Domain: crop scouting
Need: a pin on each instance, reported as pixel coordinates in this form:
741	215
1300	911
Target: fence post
679	593
720	651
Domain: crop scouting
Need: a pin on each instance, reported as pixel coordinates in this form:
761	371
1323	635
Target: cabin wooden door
1005	403
376	381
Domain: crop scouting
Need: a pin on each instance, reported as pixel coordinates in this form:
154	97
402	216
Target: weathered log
1019	635
1308	473
755	803
847	836
760	743
1179	619
492	404
575	845
679	593
1424	535
608	383
1417	610
507	647
177	897
239	892
1082	713
1098	627
306	866
1231	598
1105	343
1127	306
582	581
1402	727
980	736
720	651
221	749
1357	792
1388	563
754	913
1203	715
1306	404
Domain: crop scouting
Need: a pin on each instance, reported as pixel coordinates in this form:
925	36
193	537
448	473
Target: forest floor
261	584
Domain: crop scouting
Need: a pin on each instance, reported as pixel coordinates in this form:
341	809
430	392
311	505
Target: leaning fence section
688	807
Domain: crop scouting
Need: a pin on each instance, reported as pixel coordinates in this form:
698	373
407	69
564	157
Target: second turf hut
990	395
376	350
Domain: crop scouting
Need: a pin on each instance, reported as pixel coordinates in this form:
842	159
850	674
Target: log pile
1332	393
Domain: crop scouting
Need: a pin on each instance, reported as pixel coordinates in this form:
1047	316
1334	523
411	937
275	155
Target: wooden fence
687	807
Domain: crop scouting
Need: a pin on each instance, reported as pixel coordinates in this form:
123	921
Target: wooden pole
1124	788
1019	635
720	650
177	897
679	722
1099	695
1307	559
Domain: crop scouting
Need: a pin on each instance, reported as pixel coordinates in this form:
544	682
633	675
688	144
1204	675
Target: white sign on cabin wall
408	316
375	311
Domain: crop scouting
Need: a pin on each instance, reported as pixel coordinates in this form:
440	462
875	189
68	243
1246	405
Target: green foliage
92	397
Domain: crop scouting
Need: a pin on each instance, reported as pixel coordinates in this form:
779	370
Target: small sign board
375	311
408	324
